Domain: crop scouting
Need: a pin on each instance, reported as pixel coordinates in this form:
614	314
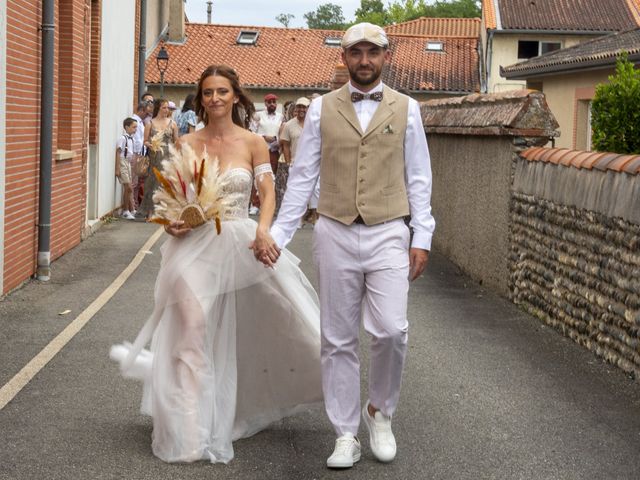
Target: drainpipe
489	59
142	49
43	271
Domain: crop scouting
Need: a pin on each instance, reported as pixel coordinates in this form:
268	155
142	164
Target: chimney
209	2
176	21
340	76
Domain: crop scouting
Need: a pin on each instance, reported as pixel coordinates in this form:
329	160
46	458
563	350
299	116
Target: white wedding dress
235	346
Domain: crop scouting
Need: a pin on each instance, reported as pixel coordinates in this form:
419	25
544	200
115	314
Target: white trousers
363	274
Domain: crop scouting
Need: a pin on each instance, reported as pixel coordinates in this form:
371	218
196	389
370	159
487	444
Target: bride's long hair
242	112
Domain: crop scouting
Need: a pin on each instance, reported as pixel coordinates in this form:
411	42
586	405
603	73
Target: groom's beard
365	76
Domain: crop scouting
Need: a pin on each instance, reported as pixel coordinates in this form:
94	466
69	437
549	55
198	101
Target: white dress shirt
138	137
305	171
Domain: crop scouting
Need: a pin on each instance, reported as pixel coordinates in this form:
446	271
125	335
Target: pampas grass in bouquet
191	190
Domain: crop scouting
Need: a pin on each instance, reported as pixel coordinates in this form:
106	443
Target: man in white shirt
137	182
367	144
268	125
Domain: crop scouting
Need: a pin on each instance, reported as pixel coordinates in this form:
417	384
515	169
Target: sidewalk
489	392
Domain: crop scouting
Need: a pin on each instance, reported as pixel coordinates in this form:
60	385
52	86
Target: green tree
454	9
327	16
405	10
615	112
372	11
285	19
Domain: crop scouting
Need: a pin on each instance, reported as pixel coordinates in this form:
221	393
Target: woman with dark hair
187	119
158	135
235	346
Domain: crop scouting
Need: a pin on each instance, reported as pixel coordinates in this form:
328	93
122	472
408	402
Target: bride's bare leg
190	363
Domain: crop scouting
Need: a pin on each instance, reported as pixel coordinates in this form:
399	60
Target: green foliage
615	111
285	19
454	9
327	16
405	10
372	11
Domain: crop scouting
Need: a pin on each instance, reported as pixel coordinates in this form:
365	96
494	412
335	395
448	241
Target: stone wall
575	248
555	230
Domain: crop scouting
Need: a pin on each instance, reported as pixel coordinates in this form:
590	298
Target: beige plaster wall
470	200
157	20
564	94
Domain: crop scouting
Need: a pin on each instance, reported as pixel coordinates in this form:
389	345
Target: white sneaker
383	443
254	210
127	214
346	452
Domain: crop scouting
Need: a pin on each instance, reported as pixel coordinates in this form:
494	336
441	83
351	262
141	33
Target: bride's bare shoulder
253	139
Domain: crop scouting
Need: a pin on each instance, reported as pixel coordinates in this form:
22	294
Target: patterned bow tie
375	96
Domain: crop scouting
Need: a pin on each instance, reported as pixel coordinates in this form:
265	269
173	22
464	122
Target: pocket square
388	129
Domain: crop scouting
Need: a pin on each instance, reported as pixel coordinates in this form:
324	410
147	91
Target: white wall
117	64
3	117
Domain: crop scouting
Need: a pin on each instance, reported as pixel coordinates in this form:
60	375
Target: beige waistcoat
362	173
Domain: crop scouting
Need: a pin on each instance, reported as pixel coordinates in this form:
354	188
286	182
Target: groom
367	144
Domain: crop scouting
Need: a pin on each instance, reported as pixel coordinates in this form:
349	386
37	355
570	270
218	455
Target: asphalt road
489	392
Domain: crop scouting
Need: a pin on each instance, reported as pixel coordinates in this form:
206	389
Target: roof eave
566	68
552	32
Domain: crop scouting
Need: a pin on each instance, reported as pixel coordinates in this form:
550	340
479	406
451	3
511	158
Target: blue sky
261	12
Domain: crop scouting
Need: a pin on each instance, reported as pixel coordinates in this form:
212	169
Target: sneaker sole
356	458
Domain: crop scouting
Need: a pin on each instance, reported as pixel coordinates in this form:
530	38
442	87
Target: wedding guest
158	135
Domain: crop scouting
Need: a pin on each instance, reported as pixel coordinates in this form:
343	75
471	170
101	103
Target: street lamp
162	60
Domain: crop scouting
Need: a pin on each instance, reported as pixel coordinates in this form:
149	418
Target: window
582	128
435	47
527	49
533	48
546	47
247	37
332	41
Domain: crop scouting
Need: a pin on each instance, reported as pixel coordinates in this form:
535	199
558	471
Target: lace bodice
238	184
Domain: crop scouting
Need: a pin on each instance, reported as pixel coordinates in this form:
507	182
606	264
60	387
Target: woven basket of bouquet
191	190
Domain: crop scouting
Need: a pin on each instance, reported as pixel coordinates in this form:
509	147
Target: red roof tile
437	27
567	15
489	14
633	166
634	7
584	159
298	58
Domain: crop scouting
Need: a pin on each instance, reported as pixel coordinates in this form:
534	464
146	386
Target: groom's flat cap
364	32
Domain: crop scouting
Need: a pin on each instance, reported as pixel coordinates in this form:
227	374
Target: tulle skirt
235	346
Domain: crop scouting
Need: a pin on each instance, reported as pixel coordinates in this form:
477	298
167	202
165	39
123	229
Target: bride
235	346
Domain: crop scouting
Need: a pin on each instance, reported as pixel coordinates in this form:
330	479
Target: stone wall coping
581	159
522	113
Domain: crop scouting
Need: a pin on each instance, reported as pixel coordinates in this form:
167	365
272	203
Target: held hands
177	229
417	262
264	248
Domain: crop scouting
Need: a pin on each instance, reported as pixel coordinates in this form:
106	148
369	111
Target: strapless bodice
238	183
